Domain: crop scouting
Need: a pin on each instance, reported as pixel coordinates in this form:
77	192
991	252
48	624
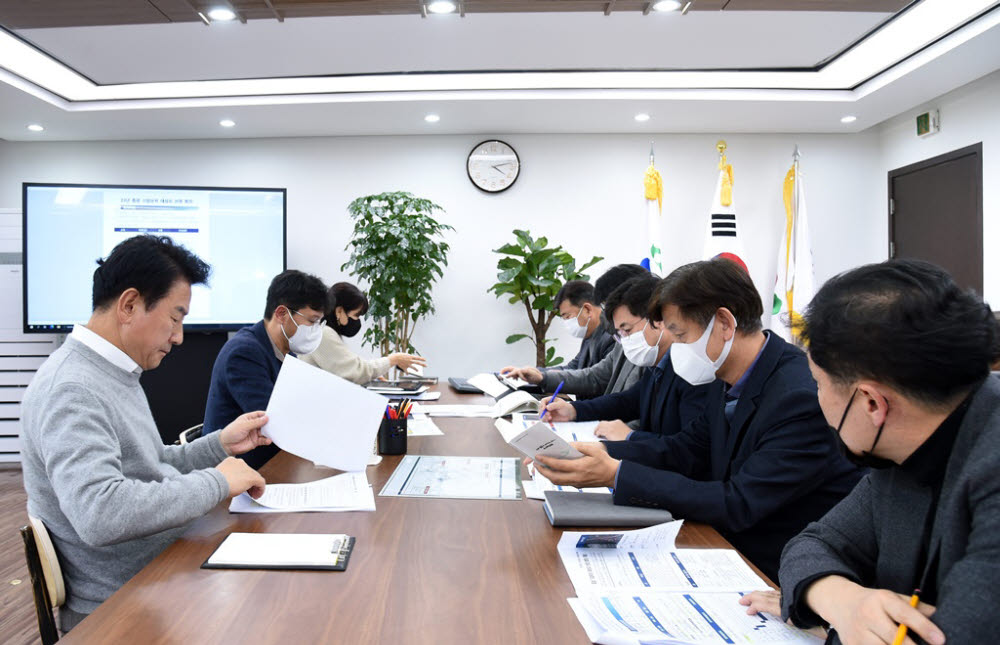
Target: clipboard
282	551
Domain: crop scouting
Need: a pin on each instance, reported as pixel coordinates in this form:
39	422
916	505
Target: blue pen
554	395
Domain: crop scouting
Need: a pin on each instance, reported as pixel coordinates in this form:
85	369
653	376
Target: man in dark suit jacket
760	463
661	402
247	367
902	357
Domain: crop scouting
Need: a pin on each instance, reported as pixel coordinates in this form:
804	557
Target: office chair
47	583
189	435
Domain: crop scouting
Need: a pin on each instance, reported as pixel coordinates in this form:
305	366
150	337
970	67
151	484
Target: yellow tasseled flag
726	194
653	182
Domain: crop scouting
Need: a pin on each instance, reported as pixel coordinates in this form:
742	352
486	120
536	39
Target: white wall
969	115
584	192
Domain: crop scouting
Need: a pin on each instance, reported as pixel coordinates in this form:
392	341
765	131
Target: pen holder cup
392	437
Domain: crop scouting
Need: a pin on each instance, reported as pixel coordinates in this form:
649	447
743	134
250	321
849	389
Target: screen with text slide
239	232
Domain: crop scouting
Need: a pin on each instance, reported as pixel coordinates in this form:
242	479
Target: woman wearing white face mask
347	304
662	403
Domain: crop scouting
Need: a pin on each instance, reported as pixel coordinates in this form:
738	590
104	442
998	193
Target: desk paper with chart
680	618
455	477
647	558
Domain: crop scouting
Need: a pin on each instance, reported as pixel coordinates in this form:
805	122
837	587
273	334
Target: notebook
572	508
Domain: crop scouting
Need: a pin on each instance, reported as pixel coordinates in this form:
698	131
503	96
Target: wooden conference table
423	570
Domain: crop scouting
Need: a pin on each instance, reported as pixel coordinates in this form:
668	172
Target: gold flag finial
721	146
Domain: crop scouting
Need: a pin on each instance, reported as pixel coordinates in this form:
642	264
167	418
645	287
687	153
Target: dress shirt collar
105	348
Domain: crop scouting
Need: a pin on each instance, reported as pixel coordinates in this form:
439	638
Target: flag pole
652	157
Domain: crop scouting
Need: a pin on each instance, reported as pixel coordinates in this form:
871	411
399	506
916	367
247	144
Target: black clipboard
343	559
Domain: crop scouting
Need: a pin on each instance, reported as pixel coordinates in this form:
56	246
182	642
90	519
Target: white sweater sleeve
336	357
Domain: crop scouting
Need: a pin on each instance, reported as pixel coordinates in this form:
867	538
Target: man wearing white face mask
661	402
580	318
248	365
760	463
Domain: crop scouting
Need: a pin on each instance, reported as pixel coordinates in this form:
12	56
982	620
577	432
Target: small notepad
326	551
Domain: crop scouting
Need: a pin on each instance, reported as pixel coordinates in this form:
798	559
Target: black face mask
352	327
866	459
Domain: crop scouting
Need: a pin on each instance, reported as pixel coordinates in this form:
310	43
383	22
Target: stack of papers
419	424
535	487
637	587
345	492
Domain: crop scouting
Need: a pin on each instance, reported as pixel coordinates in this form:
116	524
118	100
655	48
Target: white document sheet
568	430
646	559
467	411
420	425
321	417
535	487
489	383
423	396
680	618
344	492
455	477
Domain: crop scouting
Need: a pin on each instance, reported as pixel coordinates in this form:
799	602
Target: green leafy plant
397	250
532	273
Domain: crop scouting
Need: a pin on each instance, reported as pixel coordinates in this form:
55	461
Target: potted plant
397	250
532	273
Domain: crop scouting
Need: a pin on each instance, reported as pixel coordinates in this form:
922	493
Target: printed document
419	424
455	477
680	618
535	487
537	439
568	430
647	559
321	417
344	492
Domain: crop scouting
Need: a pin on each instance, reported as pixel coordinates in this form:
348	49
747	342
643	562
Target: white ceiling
191	51
386	44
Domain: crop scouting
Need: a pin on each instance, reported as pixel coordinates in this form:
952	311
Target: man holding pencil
902	358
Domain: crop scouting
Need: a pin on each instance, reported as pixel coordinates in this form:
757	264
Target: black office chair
189	435
47	583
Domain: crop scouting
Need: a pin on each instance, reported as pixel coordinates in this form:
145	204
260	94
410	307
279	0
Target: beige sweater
336	357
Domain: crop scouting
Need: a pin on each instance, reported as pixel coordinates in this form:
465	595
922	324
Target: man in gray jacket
902	359
95	469
613	373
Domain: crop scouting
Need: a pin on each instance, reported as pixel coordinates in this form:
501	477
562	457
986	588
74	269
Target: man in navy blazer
661	401
247	367
760	463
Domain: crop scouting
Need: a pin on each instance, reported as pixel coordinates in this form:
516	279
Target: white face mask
306	338
573	326
638	351
691	361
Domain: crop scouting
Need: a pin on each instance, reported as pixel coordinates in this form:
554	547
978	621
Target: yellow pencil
901	632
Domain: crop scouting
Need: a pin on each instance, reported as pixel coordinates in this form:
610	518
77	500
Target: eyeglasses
308	321
621	333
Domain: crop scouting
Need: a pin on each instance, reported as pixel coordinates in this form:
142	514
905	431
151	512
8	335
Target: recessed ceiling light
221	13
642	117
34	127
667	5
432	118
227	123
850	118
441	6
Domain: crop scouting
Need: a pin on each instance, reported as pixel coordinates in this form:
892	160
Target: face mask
306	338
573	326
691	361
865	459
348	330
638	351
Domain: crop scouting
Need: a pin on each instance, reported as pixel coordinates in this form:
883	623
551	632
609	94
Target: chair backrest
54	582
189	435
43	604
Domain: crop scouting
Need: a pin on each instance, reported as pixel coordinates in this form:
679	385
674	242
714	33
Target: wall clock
493	166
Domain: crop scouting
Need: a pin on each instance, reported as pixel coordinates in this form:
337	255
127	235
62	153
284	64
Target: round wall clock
493	166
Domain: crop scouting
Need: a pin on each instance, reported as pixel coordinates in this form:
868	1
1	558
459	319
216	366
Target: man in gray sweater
95	469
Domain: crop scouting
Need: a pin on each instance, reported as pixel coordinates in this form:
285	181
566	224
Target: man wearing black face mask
347	304
902	359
